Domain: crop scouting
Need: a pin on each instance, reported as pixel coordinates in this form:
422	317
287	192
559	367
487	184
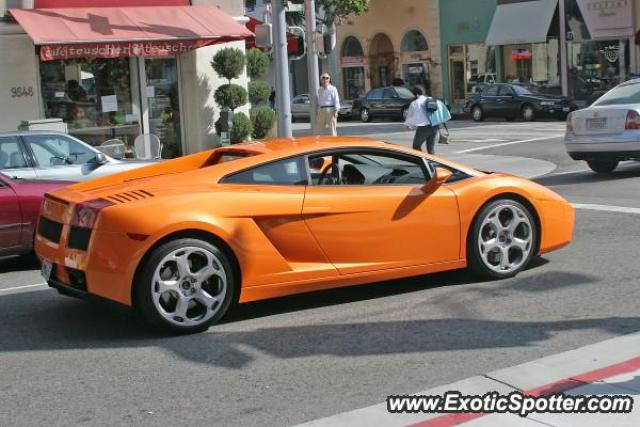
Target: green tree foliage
242	128
231	96
337	10
259	92
262	119
257	63
229	63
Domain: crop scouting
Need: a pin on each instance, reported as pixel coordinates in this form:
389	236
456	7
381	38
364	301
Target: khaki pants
327	119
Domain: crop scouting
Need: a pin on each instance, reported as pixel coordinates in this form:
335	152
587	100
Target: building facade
520	42
390	42
118	89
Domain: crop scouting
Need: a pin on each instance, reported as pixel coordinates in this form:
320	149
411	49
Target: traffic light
296	43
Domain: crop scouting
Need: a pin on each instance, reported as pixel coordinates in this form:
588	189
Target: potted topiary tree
229	63
262	116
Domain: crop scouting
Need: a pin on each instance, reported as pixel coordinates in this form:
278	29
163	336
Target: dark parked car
513	101
392	102
20	201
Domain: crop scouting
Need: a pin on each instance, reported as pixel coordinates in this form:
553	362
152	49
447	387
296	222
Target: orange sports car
182	240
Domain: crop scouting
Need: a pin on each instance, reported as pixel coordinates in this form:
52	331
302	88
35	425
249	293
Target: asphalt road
294	359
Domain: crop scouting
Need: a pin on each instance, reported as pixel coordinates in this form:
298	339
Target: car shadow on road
19	263
587	177
42	320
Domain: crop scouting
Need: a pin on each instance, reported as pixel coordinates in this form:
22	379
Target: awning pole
564	80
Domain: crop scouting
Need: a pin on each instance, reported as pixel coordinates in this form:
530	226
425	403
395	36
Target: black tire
510	118
143	293
603	166
365	115
293	118
477	114
528	113
474	259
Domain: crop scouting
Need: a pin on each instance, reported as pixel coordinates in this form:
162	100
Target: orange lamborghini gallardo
182	240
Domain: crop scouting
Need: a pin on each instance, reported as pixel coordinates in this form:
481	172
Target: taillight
85	214
633	120
569	124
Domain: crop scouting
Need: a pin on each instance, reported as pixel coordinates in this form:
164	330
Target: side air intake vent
129	196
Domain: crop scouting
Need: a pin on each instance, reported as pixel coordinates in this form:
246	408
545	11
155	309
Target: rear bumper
108	265
611	147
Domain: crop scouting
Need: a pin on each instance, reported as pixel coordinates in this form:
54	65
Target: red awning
292	41
110	32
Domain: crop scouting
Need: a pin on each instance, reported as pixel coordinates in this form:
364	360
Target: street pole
312	60
283	95
564	80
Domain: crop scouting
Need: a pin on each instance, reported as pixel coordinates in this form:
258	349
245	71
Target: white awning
524	21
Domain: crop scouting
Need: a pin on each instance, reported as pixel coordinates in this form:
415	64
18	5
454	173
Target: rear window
627	93
405	93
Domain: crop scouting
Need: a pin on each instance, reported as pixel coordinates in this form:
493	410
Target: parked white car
608	131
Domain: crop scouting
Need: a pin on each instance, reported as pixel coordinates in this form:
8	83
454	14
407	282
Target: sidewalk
611	367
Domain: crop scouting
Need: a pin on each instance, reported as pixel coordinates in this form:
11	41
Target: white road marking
607	208
15	288
471	150
480	140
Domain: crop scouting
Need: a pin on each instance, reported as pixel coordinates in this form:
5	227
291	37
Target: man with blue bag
425	115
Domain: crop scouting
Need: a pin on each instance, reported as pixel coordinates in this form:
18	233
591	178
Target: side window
505	91
55	150
389	93
375	94
490	91
11	155
282	172
301	100
366	168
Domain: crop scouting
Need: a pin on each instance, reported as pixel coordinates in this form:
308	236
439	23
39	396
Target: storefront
120	72
415	61
352	61
600	46
467	60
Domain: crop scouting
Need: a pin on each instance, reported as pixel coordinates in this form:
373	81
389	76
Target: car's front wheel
502	239
477	113
365	116
185	286
603	166
528	113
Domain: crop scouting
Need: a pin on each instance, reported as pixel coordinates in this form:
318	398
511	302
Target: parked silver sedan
301	105
56	156
608	131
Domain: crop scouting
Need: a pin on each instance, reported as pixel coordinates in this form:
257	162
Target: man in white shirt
417	118
328	105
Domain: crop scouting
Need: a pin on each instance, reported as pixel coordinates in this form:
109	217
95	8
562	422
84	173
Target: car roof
31	132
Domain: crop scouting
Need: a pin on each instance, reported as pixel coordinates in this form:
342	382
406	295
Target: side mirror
438	177
100	159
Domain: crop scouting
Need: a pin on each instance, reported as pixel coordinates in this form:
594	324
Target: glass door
163	102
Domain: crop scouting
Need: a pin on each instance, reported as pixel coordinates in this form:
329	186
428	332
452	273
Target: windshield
627	93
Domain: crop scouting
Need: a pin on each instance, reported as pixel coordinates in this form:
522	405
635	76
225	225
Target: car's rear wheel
502	240
528	113
185	286
365	116
603	166
477	113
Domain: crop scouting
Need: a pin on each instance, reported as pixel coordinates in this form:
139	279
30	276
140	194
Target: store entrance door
457	87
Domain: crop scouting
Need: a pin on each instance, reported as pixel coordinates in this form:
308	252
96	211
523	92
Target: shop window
353	80
92	96
413	41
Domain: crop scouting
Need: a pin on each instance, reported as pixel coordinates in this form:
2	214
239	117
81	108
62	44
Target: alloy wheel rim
189	286
505	238
477	114
364	114
528	113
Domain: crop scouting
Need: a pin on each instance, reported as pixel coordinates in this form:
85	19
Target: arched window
413	41
352	47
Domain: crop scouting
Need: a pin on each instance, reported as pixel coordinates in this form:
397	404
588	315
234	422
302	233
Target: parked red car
19	207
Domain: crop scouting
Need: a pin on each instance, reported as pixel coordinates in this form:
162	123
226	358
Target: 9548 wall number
21	91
